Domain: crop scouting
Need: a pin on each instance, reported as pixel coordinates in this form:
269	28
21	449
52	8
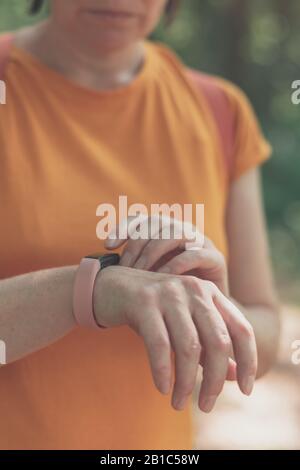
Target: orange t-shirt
64	150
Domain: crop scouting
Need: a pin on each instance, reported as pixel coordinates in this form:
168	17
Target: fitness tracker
85	278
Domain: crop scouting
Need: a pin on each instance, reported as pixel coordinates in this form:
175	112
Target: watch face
95	255
105	259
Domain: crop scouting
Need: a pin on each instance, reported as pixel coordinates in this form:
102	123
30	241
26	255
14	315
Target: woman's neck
97	71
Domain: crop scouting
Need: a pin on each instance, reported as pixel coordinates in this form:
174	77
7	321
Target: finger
186	345
171	237
243	342
156	339
207	263
203	259
121	232
154	251
164	235
140	231
118	235
167	238
231	371
216	343
132	251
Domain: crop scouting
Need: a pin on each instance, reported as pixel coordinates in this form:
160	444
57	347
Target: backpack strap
221	111
6	41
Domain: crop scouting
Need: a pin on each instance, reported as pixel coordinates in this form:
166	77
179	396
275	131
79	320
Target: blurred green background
257	45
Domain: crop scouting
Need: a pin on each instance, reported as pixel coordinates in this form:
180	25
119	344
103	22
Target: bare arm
35	310
167	312
250	276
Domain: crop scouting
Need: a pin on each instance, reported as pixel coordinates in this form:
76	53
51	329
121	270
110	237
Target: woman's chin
107	41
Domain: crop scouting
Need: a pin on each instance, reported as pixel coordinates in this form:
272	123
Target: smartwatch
89	267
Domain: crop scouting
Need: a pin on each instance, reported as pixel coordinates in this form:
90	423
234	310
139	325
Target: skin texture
94	51
99	52
186	314
251	289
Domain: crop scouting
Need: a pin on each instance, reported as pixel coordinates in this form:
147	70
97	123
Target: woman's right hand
187	315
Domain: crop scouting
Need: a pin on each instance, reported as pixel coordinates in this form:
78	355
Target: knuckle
190	348
159	344
147	296
200	287
246	330
172	287
203	305
222	343
193	283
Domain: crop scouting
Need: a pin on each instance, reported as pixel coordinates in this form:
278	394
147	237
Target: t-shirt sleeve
250	147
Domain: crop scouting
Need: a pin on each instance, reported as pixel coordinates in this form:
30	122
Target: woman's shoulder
234	94
243	141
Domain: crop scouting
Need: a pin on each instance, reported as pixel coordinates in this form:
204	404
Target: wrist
84	285
105	296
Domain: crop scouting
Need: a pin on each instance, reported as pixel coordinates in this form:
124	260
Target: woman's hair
171	8
35	6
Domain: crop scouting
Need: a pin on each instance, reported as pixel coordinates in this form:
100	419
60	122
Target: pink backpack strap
6	41
219	105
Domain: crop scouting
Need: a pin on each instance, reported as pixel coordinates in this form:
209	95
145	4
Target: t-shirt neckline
65	84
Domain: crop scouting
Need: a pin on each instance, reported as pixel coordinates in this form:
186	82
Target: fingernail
248	384
208	404
179	403
125	259
193	246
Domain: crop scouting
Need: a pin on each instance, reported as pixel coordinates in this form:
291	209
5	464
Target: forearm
265	321
35	310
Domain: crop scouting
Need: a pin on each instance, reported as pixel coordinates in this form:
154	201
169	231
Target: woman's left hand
204	261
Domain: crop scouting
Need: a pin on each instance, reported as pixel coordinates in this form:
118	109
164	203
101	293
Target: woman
94	110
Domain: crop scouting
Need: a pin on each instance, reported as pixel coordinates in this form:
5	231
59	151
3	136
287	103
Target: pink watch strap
83	292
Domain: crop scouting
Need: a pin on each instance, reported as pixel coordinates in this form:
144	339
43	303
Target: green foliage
256	44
